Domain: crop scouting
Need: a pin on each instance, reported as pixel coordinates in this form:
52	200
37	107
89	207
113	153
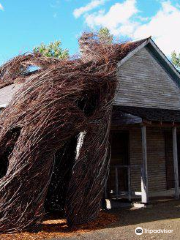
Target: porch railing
118	194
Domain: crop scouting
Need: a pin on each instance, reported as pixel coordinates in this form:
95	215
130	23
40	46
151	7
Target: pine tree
105	36
53	49
175	58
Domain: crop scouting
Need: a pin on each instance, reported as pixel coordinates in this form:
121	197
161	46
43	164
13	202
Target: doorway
169	159
118	177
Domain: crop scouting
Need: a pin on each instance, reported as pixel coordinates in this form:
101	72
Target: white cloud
125	20
90	6
1	7
163	27
119	14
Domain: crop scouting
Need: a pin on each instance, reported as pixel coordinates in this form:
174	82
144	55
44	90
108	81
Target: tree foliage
175	58
53	49
105	36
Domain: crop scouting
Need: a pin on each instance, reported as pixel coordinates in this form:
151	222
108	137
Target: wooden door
119	157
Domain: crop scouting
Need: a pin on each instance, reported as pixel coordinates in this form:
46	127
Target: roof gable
157	53
144	82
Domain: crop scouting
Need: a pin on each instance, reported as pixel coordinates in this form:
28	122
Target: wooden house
145	140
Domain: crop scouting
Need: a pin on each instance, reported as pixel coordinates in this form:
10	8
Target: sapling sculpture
54	135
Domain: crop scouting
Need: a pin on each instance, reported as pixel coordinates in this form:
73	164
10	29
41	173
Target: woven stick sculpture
54	136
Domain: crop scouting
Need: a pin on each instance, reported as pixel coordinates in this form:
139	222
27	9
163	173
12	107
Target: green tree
175	58
105	36
53	49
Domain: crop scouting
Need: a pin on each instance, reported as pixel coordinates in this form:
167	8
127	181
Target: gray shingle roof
7	93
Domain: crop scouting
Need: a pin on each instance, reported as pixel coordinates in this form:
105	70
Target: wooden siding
155	157
135	146
169	159
156	160
143	82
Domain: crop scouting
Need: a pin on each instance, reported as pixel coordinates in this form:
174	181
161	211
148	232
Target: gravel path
163	215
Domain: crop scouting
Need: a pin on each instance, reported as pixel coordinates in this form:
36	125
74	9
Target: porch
144	162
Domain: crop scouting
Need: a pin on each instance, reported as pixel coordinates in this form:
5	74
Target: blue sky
25	24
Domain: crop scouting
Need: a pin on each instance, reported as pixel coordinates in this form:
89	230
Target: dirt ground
162	215
115	225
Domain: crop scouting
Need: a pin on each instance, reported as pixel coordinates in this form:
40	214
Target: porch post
175	160
144	174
